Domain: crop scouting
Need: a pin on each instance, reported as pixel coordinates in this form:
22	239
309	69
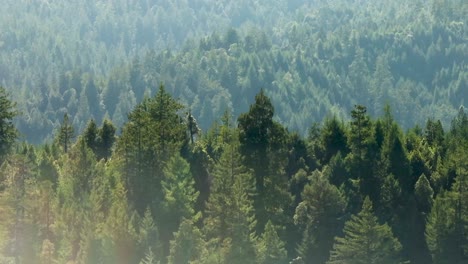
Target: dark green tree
447	224
319	217
270	248
155	132
334	139
263	144
66	133
365	241
424	194
106	140
8	132
90	135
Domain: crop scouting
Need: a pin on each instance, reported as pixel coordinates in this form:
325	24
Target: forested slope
358	191
96	59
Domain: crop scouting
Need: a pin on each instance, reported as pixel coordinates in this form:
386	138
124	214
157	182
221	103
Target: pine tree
270	248
365	241
229	215
8	132
218	207
318	217
333	139
66	134
90	135
16	235
106	139
447	224
180	196
263	144
187	244
148	238
424	194
155	132
120	229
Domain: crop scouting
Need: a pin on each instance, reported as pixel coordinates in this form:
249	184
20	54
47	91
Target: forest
258	132
313	58
357	191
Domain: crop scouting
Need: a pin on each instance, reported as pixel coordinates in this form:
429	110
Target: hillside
314	59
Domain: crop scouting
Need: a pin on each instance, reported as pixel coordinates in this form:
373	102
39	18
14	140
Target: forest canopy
313	58
203	132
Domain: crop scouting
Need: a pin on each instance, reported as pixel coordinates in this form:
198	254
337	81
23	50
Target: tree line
246	190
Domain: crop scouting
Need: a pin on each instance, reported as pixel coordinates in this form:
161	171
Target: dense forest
245	191
98	59
215	131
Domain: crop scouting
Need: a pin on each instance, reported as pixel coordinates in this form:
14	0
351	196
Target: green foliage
155	132
270	248
187	244
365	240
424	194
318	216
8	132
65	134
180	195
447	223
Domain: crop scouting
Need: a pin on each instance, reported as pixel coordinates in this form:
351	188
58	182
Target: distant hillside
96	59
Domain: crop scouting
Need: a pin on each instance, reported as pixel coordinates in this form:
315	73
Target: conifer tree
120	229
318	217
8	132
229	215
270	248
155	132
148	238
424	194
66	133
90	135
15	222
180	196
365	241
187	244
106	139
447	224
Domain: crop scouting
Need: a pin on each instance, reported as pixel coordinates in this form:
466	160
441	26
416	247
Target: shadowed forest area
263	132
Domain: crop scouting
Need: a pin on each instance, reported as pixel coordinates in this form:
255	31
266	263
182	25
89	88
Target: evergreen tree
90	135
365	240
424	194
334	139
230	217
106	139
119	230
66	134
447	224
180	196
8	132
318	216
360	132
16	233
148	239
187	244
218	207
270	248
263	144
155	132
